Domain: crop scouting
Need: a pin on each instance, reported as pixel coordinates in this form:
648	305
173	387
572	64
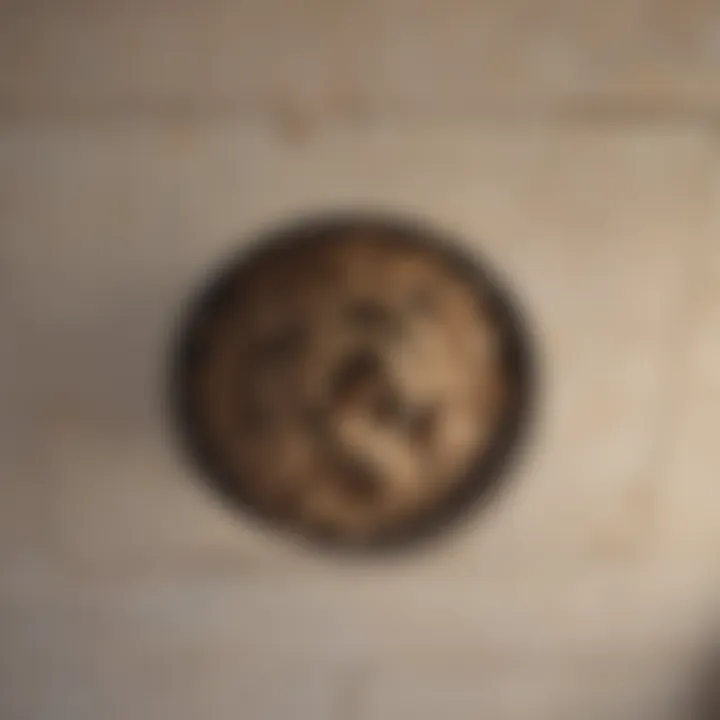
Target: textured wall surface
574	143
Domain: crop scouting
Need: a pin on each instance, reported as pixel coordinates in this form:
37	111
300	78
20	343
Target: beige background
573	142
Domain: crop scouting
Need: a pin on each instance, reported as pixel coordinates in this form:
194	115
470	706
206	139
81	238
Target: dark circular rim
489	468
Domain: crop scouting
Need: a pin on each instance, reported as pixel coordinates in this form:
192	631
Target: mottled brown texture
348	384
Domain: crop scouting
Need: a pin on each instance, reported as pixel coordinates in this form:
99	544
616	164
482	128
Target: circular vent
353	380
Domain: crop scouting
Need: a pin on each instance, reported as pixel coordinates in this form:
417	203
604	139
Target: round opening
359	381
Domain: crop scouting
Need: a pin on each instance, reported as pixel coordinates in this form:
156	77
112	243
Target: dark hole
422	425
369	315
387	407
359	479
282	345
355	374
